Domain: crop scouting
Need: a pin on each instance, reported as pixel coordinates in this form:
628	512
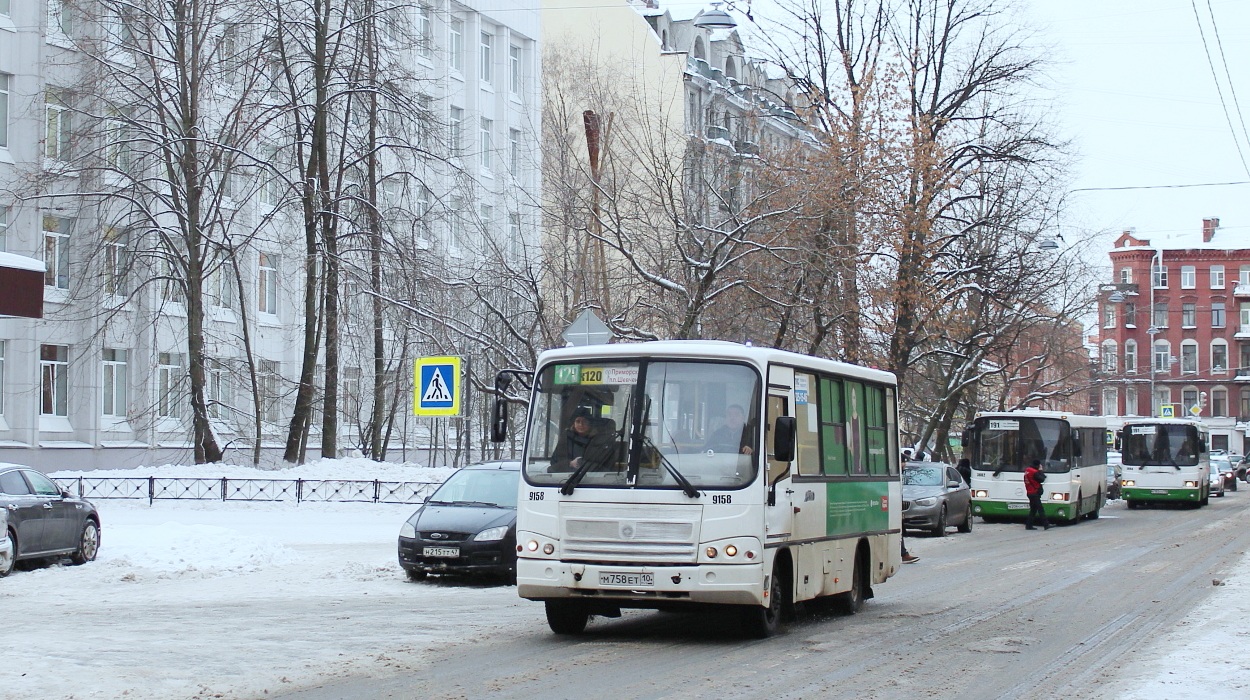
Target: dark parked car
467	527
44	520
934	497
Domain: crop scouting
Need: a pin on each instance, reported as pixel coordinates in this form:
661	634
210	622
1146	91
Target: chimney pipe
1209	225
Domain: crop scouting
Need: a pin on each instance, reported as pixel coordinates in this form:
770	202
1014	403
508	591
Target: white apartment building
101	380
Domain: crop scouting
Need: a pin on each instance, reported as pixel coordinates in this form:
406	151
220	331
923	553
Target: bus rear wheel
1097	511
567	616
852	601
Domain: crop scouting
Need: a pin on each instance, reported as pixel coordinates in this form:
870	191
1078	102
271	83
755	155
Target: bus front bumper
641	586
1144	493
1020	509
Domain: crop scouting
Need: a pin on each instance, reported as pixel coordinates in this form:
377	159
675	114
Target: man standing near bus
1033	478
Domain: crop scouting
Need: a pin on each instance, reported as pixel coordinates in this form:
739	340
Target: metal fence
156	488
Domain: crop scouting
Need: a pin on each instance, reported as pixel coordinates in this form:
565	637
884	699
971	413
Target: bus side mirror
966	439
783	438
499	420
1076	445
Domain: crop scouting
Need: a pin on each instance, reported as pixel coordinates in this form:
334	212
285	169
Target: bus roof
713	350
1073	418
1165	421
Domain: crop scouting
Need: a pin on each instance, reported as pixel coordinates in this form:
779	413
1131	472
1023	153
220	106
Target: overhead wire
1228	75
1218	90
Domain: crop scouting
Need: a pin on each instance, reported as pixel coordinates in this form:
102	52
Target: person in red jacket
1033	478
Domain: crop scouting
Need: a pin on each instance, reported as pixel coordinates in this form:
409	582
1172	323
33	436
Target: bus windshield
1160	445
1011	444
644	424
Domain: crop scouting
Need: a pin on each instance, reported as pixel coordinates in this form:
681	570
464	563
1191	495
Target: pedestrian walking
1033	478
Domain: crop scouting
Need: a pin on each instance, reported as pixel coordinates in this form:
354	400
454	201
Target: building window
514	235
514	69
455	44
1130	357
1243	275
423	30
1243	410
5	79
455	129
60	17
116	263
1219	357
267	293
1189	357
1159	277
1130	401
1219	402
1189	399
172	282
1163	395
1109	356
218	380
54	380
1217	277
113	373
4	229
1126	275
1189	315
1160	316
1161	353
1	377
1217	314
486	128
1130	314
271	390
168	385
4	7
514	151
56	121
1108	316
1189	277
1110	402
56	231
487	58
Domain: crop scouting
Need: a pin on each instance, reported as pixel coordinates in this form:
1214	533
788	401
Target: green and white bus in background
712	474
1164	461
1071	448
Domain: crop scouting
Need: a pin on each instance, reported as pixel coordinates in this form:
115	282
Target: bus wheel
1132	505
1097	511
852	601
761	622
567	617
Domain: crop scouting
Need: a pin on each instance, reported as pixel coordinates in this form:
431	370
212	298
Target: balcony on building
1243	333
1242	290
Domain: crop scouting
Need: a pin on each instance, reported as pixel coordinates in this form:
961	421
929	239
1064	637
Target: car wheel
1231	485
939	528
966	525
88	544
7	565
1220	494
760	621
415	575
567	616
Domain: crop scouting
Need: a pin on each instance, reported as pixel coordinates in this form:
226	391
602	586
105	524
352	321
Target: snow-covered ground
194	599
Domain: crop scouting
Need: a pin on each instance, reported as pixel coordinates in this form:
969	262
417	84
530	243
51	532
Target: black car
44	520
467	527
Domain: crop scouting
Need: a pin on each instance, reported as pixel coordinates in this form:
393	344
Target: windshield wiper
686	487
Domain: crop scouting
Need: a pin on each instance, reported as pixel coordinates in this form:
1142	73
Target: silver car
935	496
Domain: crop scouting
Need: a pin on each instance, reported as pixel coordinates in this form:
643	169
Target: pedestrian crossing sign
436	382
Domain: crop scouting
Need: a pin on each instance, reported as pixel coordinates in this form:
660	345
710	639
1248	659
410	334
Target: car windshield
1221	465
494	487
923	476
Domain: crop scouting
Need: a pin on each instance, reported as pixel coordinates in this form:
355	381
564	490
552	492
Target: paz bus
708	473
1165	461
1071	448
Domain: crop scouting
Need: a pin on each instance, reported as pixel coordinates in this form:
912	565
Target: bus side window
777	406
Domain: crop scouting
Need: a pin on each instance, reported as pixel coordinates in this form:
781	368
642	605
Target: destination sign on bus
1004	425
1143	430
613	376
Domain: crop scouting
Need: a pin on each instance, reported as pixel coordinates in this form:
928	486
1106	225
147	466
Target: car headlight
408	530
492	534
925	501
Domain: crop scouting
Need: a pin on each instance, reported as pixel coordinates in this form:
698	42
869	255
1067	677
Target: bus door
779	518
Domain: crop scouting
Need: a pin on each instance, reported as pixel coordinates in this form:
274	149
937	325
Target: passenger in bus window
733	435
581	443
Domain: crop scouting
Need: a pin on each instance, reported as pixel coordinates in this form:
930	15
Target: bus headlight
711	552
731	551
1191	484
980	493
1058	496
1128	482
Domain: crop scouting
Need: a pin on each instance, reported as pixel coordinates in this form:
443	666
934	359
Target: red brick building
1175	321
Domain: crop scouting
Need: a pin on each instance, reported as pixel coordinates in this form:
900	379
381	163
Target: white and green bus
1071	448
1164	461
712	473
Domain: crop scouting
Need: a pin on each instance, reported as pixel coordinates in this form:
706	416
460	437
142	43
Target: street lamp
715	18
